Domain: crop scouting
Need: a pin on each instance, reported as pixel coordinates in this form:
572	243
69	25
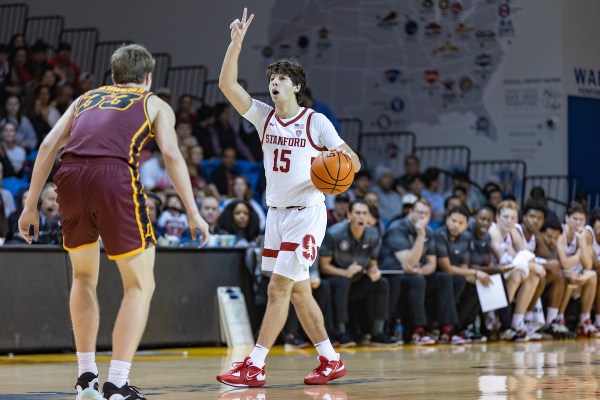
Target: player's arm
166	138
565	261
584	242
353	156
55	140
228	79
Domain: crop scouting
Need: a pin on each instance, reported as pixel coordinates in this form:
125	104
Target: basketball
332	172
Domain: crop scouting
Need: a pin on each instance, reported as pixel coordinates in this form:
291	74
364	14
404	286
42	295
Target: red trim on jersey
262	139
288	246
308	133
292	121
270	253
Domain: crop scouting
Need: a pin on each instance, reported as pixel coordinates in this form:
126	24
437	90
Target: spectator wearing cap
431	180
64	67
390	199
340	209
38	60
408	202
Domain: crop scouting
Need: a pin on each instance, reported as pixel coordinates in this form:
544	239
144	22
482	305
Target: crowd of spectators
401	257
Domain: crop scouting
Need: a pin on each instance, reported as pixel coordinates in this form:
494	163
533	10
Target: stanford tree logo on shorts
309	247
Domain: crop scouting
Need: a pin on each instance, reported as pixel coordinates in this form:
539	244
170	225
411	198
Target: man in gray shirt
408	248
348	260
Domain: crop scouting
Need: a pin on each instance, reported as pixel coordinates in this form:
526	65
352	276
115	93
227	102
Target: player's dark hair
292	69
536	204
459	210
355	202
575	207
130	64
552	223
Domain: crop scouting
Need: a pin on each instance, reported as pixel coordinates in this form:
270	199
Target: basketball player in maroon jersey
100	195
291	137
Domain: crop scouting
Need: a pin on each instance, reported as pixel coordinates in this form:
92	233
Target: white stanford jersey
531	244
289	146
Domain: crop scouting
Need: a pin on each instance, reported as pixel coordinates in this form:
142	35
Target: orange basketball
332	172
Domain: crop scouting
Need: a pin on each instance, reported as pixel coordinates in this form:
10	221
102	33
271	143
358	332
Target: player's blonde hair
508	204
130	64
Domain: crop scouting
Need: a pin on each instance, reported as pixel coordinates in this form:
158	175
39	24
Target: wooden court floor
549	370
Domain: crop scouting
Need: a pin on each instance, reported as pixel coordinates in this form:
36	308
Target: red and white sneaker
326	371
588	329
243	374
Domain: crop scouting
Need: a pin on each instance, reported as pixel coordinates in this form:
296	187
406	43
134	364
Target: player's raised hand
239	28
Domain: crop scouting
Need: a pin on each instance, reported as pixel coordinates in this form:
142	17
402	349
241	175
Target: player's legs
83	302
308	311
137	272
526	292
513	281
278	303
588	292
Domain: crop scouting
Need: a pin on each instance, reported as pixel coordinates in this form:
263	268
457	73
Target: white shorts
292	240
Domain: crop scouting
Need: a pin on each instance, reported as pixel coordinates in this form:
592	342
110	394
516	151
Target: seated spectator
173	219
198	175
184	133
411	168
538	193
461	179
239	219
7	197
492	193
42	115
361	185
17	40
250	137
223	176
461	193
64	97
37	63
241	190
11	150
227	136
348	260
86	83
4	230
408	246
20	76
431	182
13	219
26	135
153	173
7	86
64	66
209	210
415	185
453	202
206	134
408	202
154	205
184	109
453	244
339	211
391	200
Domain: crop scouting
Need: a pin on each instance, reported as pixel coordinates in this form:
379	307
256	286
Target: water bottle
399	331
477	325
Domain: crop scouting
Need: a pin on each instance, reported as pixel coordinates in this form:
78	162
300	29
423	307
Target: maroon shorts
103	197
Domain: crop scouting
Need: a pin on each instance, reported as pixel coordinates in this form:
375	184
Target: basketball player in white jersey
291	136
594	228
576	258
506	243
534	216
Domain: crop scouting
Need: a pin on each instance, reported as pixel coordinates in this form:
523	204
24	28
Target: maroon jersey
111	121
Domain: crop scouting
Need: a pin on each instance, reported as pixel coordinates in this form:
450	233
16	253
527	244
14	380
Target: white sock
552	314
529	316
517	320
584	317
597	321
87	363
258	355
118	373
560	317
326	350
